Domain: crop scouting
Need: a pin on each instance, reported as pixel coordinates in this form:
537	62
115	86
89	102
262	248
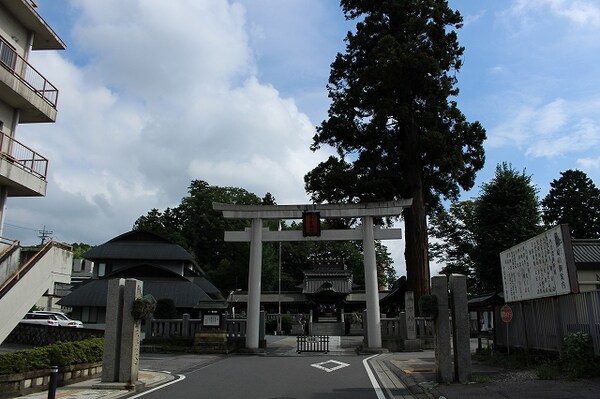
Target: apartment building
26	96
27	275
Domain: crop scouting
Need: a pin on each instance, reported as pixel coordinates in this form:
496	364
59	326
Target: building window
8	54
89	314
101	269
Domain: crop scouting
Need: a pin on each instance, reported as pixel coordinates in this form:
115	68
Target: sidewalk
417	371
85	389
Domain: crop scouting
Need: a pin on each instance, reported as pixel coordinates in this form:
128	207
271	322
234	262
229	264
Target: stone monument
122	336
461	331
443	356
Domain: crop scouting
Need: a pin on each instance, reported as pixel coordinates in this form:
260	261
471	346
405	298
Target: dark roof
272	297
292	297
396	294
139	245
586	251
185	294
485	301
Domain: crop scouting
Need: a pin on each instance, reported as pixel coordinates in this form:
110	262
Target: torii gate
311	214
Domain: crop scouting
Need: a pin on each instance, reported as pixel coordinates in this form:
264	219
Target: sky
154	94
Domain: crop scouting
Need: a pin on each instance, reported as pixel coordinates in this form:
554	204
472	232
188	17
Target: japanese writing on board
536	268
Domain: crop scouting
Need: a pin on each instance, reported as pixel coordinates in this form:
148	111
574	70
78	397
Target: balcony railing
23	156
27	74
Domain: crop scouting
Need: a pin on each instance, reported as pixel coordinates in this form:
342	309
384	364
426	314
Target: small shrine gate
311	215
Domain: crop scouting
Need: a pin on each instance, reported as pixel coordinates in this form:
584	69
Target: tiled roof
184	293
586	251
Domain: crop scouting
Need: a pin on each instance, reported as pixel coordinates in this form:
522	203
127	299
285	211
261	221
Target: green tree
573	199
165	309
507	213
454	239
79	249
396	133
199	229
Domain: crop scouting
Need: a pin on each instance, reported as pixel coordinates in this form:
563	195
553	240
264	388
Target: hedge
58	354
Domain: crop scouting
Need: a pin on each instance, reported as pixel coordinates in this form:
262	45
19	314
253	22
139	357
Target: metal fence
27	74
543	323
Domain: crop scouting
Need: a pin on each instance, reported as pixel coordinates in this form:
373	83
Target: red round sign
506	313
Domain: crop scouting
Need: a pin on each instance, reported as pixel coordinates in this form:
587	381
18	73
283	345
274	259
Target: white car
39	318
63	319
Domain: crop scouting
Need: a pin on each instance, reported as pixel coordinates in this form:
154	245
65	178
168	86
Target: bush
286	324
165	309
577	357
58	354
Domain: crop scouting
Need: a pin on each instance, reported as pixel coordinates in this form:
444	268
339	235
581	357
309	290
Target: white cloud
168	93
554	129
579	12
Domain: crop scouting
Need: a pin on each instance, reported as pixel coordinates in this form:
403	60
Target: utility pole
44	234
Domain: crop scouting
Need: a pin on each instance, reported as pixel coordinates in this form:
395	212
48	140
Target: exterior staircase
327	328
25	277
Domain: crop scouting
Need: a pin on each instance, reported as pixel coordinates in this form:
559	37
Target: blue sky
154	94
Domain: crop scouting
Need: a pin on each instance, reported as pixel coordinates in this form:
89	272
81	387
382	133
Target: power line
44	234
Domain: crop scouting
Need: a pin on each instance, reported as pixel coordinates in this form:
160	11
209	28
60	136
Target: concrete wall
32	285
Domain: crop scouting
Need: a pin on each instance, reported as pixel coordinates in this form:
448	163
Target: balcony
24	88
22	171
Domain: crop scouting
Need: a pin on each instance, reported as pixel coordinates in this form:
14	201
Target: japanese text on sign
311	224
536	268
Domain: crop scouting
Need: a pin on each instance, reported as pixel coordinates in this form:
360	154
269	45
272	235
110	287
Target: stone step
330	329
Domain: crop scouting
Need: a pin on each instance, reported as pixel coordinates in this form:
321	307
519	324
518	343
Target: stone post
112	332
460	328
443	356
130	333
409	309
122	336
371	285
254	276
185	325
411	343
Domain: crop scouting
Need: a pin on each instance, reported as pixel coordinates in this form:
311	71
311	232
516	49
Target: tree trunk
415	221
415	253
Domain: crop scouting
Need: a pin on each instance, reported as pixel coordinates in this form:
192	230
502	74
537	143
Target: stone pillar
443	356
371	284
409	309
130	333
185	325
461	331
122	335
254	277
411	343
112	332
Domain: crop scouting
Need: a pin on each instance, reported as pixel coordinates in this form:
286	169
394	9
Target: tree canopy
453	231
573	199
199	229
473	233
396	132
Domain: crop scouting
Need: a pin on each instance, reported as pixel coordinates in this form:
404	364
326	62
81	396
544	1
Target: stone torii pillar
366	233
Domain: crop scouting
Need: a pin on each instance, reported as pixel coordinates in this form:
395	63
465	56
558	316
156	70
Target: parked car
40	318
62	318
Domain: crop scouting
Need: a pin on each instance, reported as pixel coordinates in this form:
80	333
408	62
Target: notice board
542	266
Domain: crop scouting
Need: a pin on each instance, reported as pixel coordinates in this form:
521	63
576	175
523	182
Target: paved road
301	377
